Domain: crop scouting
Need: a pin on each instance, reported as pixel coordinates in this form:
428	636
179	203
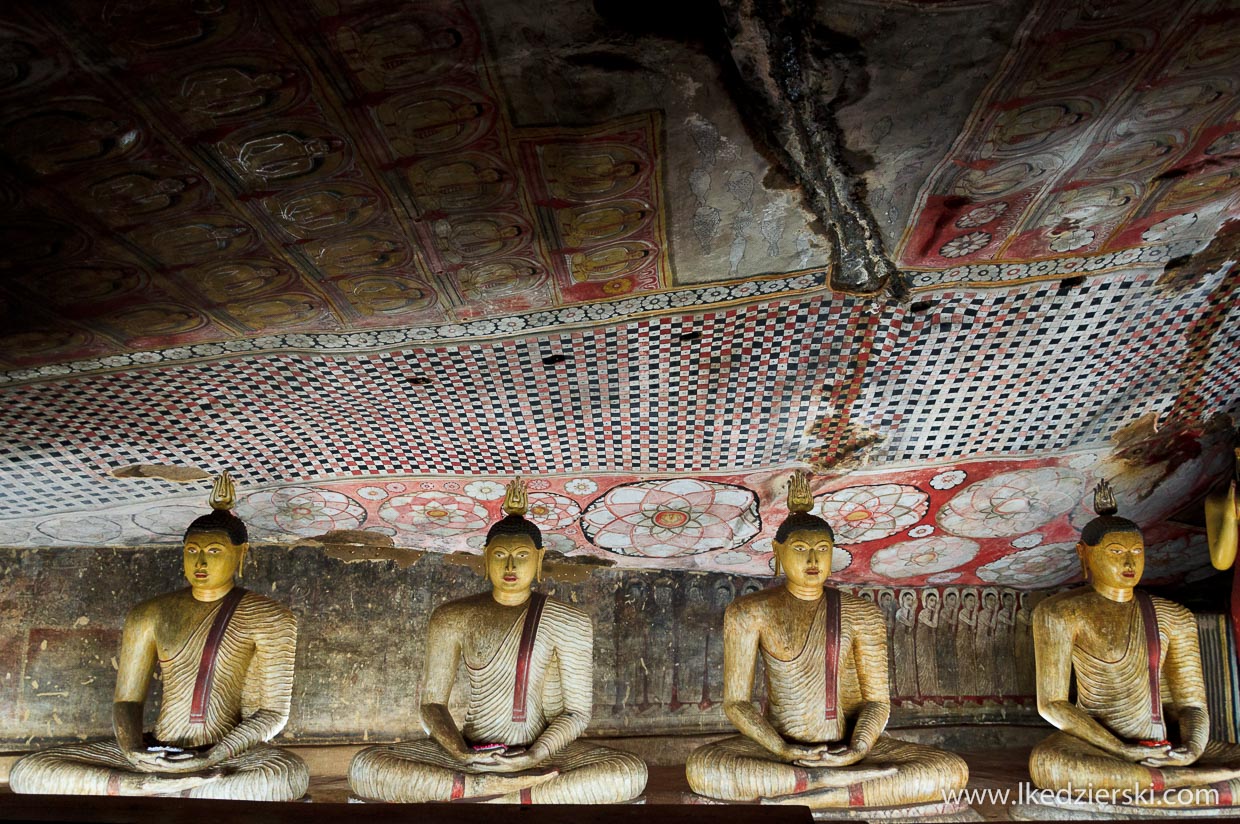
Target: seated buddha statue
1139	721
225	656
529	660
820	742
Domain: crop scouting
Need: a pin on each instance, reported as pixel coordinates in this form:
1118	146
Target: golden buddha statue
1222	510
820	742
530	662
225	657
1139	724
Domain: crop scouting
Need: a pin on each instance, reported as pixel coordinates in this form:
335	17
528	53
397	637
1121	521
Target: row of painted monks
226	657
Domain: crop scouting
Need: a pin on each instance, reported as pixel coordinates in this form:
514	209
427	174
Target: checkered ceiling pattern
749	387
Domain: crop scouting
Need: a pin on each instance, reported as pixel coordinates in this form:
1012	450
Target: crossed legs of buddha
423	771
893	773
262	773
1064	761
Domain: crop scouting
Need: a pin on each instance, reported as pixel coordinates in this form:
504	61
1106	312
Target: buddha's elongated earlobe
775	558
245	551
538	572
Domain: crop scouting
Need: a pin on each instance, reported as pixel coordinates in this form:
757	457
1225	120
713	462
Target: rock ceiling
375	257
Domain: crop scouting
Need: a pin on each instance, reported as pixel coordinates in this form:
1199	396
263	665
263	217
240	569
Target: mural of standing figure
691	648
887	604
630	674
820	741
903	645
1022	643
966	644
226	659
984	647
925	643
1005	632
946	666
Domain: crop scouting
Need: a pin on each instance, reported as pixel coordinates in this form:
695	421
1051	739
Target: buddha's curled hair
219	520
515	525
802	522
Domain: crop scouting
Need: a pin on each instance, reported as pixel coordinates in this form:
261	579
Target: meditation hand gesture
827	755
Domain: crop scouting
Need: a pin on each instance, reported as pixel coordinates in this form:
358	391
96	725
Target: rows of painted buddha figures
1138	720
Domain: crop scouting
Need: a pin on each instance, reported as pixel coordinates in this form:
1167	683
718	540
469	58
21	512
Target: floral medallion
664	519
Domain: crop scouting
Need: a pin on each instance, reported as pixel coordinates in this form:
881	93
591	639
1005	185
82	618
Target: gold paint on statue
226	661
1222	518
820	742
529	660
1115	735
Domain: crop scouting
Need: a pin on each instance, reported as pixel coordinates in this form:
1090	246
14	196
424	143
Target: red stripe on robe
210	652
1153	649
831	602
529	632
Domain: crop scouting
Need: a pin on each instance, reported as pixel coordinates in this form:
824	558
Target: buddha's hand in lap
495	762
1177	757
175	763
1140	753
824	755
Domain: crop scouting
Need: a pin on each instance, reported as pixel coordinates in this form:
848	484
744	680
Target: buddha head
803	542
215	544
514	547
1111	550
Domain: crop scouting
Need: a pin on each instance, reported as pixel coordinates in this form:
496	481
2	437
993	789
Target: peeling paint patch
350	554
163	472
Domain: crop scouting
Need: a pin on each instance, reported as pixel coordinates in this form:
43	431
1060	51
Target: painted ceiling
963	260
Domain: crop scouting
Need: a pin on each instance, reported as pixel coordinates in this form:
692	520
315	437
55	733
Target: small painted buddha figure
529	660
1139	721
226	660
820	742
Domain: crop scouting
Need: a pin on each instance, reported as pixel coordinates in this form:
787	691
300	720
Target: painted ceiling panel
1109	127
376	257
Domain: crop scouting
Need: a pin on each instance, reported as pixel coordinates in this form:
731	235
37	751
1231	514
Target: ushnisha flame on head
220	519
800	498
516	504
516	499
1107	522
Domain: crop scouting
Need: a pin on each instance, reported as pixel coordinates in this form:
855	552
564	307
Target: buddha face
805	557
211	559
512	563
1116	562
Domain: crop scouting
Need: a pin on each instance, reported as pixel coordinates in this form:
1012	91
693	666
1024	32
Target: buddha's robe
1119	695
236	698
812	702
516	698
